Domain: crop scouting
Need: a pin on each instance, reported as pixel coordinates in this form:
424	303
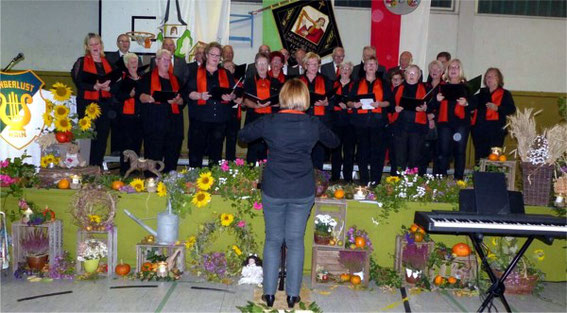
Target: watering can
167	226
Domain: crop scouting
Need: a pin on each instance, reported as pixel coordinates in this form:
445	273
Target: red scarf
376	89
339	91
491	115
263	92
318	110
420	117
129	107
202	81
444	111
281	76
156	86
89	67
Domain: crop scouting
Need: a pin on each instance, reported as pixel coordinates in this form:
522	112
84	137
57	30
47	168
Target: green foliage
252	307
384	276
15	175
562	103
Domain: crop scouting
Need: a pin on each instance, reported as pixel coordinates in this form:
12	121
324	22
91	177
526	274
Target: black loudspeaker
490	193
467	202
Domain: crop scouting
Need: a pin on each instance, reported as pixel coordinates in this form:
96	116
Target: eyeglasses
214	55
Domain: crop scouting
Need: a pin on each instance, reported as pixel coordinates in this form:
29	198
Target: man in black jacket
331	69
358	71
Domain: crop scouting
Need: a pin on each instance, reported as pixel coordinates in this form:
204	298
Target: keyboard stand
497	288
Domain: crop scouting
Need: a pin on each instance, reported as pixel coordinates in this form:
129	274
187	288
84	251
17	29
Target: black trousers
452	142
257	151
163	136
343	155
207	138
485	137
232	128
102	128
371	143
131	129
408	147
428	154
389	142
117	139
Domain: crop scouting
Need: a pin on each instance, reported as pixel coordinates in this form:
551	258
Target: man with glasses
115	57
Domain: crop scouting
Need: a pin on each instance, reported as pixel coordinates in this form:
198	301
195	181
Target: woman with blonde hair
288	183
89	90
453	118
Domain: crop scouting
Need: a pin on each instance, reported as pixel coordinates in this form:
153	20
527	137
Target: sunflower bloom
49	106
236	250
93	111
190	242
50	158
85	123
61	111
205	181
138	184
44	162
61	92
47	119
539	254
201	198
63	125
461	183
161	189
226	219
94	218
392	179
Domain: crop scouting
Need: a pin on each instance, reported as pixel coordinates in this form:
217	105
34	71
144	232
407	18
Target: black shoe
291	301
269	300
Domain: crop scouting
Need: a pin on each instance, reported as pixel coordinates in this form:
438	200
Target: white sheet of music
367	104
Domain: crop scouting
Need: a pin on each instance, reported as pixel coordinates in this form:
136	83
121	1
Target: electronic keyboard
505	224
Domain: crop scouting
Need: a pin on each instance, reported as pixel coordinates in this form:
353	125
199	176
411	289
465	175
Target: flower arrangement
91	249
321	182
393	194
353	261
324	224
220	266
415	257
59	120
238	183
48	160
35	242
15	175
358	239
502	250
33	215
63	267
93	209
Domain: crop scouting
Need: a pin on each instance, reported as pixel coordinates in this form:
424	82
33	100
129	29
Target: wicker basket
537	183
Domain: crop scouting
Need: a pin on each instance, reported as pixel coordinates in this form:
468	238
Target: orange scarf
420	117
280	78
319	89
156	86
376	90
496	98
202	81
89	67
263	92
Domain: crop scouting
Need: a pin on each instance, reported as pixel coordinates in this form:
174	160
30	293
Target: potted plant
414	260
525	277
35	245
90	252
324	226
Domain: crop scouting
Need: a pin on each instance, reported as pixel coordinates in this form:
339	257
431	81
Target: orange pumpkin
345	277
360	242
418	237
122	269
461	249
117	184
493	157
355	280
452	280
63	184
502	158
439	280
339	194
146	267
413	228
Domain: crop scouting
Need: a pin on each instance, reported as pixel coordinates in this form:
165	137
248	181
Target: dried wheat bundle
522	126
557	140
560	185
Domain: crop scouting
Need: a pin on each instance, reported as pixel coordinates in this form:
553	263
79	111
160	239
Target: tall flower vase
91	265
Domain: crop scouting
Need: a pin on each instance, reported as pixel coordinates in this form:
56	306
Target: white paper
367	104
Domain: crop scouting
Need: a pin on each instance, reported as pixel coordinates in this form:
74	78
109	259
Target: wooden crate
54	231
508	168
50	176
328	258
143	249
338	210
111	244
463	268
401	244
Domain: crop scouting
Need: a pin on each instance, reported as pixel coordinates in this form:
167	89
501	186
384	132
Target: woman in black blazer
288	183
